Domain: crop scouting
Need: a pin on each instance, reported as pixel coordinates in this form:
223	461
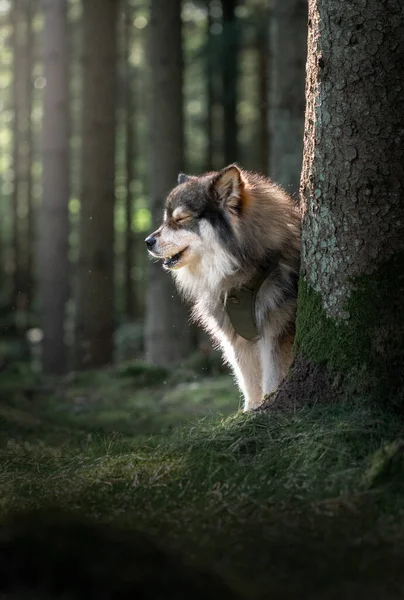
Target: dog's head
201	217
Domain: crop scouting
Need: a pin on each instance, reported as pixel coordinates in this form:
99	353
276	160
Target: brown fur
219	230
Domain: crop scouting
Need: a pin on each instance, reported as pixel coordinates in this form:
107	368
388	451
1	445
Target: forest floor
281	505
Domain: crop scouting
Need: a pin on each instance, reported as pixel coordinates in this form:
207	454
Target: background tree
210	89
53	236
264	61
22	15
7	265
211	32
230	49
167	334
130	115
95	272
350	331
288	39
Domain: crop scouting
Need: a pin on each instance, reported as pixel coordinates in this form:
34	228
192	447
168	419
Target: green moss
387	465
275	502
367	349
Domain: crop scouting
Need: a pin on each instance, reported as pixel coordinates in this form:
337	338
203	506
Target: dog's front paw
266	402
256	406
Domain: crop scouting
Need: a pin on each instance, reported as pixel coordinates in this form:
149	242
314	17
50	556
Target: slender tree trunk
30	223
130	296
95	276
5	205
22	12
209	93
54	225
230	80
350	328
167	332
263	92
288	35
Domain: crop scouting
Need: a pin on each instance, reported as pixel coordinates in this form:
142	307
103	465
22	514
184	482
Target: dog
231	239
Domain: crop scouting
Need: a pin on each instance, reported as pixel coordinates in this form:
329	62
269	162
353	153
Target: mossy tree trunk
95	272
168	337
350	325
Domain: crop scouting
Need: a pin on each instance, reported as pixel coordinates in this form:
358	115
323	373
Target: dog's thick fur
217	234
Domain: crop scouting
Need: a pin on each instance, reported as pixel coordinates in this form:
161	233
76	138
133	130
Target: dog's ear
182	178
229	185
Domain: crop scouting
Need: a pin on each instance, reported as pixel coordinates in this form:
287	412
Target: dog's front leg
244	358
271	363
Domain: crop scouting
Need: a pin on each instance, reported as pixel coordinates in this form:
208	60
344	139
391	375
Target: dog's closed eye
183	218
180	215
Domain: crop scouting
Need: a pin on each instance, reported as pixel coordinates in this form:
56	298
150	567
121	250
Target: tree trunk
263	92
214	81
22	13
288	35
210	96
130	297
167	331
5	191
350	327
230	49
54	226
95	276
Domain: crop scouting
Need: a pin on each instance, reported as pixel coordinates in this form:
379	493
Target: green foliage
142	220
143	373
206	363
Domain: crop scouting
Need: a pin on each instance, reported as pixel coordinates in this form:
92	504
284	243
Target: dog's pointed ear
182	178
229	185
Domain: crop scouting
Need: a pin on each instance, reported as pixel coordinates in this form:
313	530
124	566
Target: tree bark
287	38
54	225
167	332
350	326
263	93
210	95
95	274
130	295
22	13
230	49
6	199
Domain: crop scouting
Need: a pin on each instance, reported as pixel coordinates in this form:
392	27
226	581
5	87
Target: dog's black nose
150	241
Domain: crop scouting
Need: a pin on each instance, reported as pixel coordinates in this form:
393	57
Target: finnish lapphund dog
232	242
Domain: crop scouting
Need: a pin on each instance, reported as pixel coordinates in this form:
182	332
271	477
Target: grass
302	505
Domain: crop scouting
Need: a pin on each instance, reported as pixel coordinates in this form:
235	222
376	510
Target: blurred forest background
102	104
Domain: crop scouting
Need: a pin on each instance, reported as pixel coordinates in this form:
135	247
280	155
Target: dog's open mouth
173	261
